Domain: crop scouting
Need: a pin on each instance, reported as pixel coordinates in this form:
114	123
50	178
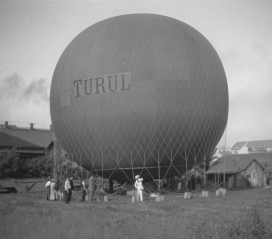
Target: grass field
240	214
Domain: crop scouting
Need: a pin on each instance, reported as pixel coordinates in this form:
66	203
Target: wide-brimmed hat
137	176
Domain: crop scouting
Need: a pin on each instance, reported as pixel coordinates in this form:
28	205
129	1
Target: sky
35	33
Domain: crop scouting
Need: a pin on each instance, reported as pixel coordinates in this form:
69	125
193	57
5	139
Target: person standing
101	189
71	189
198	182
111	185
193	182
91	188
179	185
139	186
48	189
67	188
83	190
53	191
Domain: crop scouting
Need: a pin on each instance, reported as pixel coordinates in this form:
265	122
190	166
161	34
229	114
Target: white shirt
83	184
48	183
139	185
52	186
67	185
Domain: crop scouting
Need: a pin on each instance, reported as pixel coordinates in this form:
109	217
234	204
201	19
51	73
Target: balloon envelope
139	93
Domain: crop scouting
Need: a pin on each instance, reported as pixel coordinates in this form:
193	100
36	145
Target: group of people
52	190
194	182
55	192
91	188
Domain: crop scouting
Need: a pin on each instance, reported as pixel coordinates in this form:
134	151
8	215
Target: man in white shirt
139	186
67	188
83	190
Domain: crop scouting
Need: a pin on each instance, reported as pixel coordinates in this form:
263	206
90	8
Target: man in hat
139	186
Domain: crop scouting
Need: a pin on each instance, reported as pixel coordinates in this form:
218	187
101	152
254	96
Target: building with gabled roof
29	142
259	146
253	146
241	169
239	147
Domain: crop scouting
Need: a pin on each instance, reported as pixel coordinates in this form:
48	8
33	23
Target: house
28	142
239	147
241	170
257	146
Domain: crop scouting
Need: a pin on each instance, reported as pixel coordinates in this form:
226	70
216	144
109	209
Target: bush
12	166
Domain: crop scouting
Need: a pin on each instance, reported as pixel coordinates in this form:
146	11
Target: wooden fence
22	185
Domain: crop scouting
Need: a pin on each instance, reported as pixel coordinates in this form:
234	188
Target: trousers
90	193
140	195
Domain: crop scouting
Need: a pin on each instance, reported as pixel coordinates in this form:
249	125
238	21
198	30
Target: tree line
14	166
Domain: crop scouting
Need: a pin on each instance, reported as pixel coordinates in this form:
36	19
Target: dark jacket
72	185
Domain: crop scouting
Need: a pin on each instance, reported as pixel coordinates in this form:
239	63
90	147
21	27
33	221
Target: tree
42	166
10	164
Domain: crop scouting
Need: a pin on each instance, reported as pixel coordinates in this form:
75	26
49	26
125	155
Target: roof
253	144
11	137
268	170
238	162
238	145
260	144
221	171
7	140
227	152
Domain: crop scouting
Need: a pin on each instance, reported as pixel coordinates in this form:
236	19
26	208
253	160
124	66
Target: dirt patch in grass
31	216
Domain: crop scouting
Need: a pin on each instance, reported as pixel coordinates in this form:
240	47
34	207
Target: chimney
6	125
31	126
